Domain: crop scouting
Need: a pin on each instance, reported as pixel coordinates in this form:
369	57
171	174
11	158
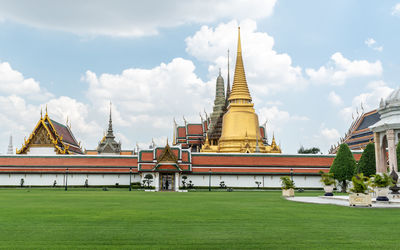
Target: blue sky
309	65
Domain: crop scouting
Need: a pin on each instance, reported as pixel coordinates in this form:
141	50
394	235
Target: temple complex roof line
240	90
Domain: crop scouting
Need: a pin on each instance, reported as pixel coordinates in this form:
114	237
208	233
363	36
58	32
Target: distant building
10	150
50	137
108	145
359	134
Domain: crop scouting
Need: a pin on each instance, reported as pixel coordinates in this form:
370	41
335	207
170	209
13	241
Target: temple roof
51	133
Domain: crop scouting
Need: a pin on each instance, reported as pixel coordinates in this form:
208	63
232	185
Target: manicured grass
53	218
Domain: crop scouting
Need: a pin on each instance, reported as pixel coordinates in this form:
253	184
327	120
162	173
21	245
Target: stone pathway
342	201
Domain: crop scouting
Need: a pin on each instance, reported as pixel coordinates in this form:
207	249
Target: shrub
86	183
222	184
190	185
327	178
367	164
382	181
148	179
258	183
184	178
287	183
54	183
136	185
343	166
21	183
360	183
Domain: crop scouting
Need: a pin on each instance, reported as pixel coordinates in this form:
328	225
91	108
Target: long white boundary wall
123	179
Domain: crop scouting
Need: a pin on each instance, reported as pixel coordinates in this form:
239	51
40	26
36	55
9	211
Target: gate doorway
167	182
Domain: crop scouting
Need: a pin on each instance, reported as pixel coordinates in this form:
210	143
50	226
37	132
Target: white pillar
157	181
177	181
392	149
378	153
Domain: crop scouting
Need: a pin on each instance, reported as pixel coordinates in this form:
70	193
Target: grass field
53	218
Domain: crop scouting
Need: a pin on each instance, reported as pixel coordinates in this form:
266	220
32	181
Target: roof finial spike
228	85
46	110
220	71
239	49
41	112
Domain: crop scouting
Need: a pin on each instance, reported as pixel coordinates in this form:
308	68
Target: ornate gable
45	134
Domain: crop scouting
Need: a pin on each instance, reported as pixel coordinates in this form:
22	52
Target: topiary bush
343	166
367	164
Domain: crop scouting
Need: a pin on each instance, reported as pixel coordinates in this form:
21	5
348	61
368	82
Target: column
157	181
392	149
378	152
177	181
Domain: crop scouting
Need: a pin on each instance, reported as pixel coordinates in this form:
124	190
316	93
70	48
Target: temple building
233	126
359	134
108	145
240	126
50	137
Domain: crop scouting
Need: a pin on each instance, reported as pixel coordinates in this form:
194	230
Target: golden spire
240	90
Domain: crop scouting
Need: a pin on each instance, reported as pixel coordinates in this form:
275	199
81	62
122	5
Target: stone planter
328	190
382	193
360	199
288	192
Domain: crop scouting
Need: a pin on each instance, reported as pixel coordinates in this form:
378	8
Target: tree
312	150
343	166
367	164
398	156
149	179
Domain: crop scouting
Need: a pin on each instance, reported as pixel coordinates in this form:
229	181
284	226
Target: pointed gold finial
240	90
41	113
46	110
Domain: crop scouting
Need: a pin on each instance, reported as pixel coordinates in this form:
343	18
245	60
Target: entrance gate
167	182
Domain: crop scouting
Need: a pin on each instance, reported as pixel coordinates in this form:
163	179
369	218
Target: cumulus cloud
151	97
335	99
128	18
369	100
277	118
267	71
340	69
396	10
13	82
371	43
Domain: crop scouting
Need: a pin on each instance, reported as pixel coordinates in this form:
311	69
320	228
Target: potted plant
381	184
329	183
287	186
360	195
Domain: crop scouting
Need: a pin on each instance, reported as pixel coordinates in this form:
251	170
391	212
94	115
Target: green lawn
53	218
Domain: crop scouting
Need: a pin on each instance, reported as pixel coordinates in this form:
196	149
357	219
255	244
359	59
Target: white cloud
340	69
326	137
396	10
277	118
335	99
13	82
267	71
371	43
128	18
146	100
369	100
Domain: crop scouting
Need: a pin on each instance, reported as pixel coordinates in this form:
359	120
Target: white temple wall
123	179
250	180
73	179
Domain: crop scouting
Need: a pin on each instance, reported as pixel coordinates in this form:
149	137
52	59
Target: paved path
342	201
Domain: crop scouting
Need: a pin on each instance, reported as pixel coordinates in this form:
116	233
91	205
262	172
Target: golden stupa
240	127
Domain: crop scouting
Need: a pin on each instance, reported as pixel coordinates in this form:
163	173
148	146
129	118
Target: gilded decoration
44	134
